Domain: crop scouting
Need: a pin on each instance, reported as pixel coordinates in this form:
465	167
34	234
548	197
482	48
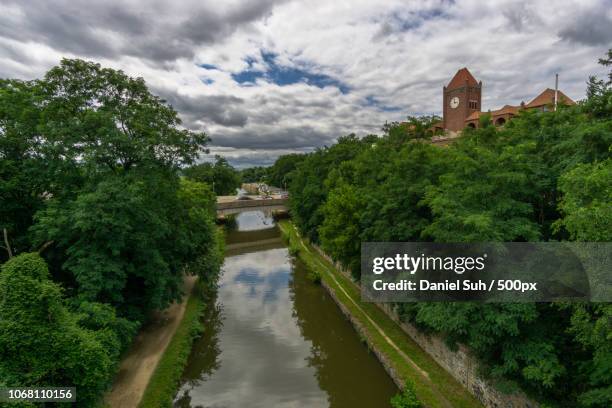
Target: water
274	339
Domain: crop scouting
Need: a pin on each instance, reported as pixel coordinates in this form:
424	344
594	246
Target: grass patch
163	384
433	385
294	249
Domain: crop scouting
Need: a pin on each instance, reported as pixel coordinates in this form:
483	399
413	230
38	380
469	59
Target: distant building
462	104
460	98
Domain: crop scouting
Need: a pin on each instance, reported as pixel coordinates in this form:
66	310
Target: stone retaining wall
460	363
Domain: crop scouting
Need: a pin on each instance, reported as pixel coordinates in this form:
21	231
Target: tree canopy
220	174
41	342
90	165
543	176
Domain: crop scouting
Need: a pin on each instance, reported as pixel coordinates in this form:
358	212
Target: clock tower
461	97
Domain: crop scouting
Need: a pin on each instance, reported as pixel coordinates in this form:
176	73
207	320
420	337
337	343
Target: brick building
462	99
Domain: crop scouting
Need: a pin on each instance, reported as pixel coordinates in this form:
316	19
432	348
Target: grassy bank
163	385
433	385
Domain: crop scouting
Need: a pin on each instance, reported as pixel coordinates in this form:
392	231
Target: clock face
454	102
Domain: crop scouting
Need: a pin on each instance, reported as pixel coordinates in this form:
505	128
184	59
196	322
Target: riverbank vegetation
407	398
99	229
432	384
162	387
543	176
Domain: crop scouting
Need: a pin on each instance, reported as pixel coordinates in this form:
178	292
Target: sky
269	77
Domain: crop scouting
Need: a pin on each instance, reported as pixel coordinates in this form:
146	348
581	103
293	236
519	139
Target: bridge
227	205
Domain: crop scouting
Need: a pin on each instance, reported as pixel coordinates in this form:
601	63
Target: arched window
500	122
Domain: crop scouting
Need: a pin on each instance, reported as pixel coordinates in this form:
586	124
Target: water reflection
204	358
274	339
254	220
346	370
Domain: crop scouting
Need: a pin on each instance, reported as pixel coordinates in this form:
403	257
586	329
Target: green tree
101	119
91	158
370	200
128	240
414	128
254	174
199	202
585	204
545	175
461	205
114	239
220	174
77	125
591	324
279	174
23	172
308	190
339	233
41	343
585	207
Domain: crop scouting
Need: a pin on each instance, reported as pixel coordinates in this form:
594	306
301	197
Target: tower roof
461	77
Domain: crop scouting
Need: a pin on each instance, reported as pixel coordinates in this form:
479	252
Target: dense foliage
220	174
89	177
278	175
407	398
43	343
544	176
254	174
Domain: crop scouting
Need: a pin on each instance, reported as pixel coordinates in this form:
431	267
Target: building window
473	104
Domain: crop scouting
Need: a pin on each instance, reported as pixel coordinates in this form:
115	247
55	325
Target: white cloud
399	53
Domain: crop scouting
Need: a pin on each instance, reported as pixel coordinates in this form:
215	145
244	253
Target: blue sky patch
283	75
247	76
208	66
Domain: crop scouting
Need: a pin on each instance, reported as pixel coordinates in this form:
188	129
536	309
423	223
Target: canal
272	338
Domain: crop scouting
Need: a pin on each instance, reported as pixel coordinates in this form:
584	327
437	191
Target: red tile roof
460	78
505	110
547	97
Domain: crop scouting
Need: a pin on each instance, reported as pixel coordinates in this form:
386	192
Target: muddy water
272	338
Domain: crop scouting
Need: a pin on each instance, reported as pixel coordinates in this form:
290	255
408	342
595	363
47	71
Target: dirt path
140	361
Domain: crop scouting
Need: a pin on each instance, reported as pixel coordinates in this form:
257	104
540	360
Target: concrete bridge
227	205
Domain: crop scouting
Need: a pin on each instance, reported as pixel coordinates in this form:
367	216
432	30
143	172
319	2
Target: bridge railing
270	202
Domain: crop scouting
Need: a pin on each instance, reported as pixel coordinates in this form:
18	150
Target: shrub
407	398
314	276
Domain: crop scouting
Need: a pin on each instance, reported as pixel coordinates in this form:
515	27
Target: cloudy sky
269	77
